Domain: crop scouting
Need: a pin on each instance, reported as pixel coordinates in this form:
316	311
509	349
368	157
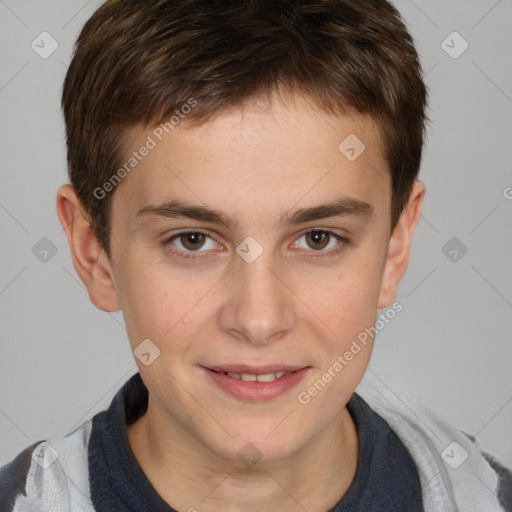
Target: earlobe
400	246
89	259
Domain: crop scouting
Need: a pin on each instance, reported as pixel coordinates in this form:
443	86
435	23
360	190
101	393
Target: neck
188	476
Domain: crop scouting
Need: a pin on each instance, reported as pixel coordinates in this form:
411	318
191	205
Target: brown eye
191	244
318	239
322	242
193	240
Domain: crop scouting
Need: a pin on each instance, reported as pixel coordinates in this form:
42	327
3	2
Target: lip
254	370
255	390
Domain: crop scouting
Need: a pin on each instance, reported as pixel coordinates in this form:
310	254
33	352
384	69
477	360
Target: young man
244	188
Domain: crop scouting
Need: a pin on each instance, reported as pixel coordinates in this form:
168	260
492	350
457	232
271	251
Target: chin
260	447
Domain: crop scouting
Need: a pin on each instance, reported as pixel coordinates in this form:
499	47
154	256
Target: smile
249	385
250	377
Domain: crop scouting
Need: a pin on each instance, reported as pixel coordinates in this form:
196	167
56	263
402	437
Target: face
252	245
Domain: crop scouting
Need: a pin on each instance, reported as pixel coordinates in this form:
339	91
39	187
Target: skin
295	304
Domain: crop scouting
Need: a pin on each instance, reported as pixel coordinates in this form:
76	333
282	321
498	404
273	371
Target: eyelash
193	255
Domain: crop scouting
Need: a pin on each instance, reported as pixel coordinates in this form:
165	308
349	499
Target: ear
89	259
400	245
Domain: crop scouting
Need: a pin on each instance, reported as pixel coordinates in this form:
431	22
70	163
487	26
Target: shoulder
453	469
52	474
504	481
13	478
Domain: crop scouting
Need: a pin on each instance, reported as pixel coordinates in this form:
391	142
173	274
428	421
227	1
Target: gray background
450	348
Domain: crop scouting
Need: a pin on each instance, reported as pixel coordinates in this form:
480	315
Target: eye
190	241
191	244
322	240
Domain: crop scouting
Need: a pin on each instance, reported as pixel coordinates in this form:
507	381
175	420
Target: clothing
400	466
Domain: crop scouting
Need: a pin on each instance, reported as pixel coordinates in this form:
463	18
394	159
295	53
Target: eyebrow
342	207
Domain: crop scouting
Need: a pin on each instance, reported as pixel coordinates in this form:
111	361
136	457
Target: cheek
348	306
158	302
349	298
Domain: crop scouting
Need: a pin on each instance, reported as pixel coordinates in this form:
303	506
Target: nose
258	306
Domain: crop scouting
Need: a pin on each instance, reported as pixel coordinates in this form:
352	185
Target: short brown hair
138	61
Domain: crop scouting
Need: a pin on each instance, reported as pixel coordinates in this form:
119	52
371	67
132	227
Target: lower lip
254	390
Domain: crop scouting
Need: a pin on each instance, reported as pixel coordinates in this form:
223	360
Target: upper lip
255	370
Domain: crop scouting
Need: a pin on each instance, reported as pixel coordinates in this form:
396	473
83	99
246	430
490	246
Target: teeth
267	377
249	377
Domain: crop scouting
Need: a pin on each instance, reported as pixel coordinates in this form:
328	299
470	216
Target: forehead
257	158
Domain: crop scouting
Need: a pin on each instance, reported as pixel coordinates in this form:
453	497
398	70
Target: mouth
251	377
256	383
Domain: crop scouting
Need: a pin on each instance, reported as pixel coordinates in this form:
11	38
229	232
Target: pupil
320	238
192	241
